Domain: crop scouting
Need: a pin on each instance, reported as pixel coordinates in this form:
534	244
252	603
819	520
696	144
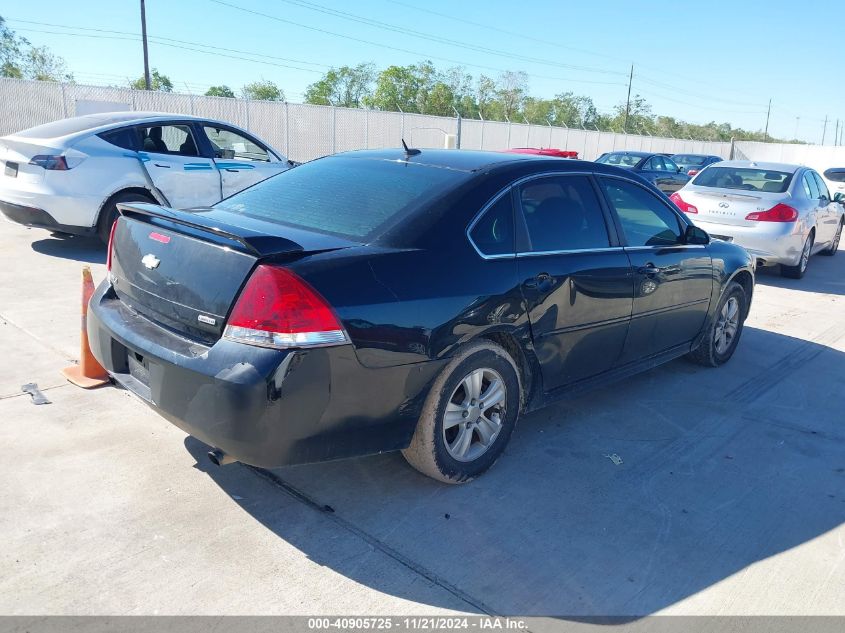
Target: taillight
692	172
111	245
278	309
54	163
778	213
683	206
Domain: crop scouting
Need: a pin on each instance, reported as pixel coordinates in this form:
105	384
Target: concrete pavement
729	499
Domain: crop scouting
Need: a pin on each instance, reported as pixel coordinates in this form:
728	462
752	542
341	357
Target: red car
544	151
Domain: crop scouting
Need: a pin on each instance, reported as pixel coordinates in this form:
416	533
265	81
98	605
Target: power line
442	40
396	48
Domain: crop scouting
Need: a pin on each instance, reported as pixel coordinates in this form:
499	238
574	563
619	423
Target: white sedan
68	176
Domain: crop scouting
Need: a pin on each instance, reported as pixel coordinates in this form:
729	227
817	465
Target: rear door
828	211
673	281
174	161
576	279
242	160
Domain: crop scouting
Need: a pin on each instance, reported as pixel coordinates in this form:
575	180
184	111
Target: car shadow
73	247
620	503
824	274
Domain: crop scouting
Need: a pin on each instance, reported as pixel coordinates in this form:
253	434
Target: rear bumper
38	218
771	242
262	406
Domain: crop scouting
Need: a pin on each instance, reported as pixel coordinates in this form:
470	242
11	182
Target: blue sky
698	61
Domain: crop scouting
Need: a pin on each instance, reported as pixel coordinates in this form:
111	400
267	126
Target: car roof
459	159
86	124
754	164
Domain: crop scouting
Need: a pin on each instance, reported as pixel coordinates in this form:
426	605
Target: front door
673	281
171	156
241	160
576	279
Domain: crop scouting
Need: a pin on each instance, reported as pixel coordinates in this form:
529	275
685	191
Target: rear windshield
352	197
689	159
620	160
746	179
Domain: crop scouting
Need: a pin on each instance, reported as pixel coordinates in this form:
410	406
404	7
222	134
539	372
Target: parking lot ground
729	497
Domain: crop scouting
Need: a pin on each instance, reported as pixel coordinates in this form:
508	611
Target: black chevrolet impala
403	300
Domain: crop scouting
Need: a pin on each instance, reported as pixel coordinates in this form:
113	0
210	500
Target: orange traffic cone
88	373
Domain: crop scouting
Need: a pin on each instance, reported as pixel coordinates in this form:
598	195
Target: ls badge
150	261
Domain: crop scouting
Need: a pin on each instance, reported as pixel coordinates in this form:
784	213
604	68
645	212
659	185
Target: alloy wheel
727	325
473	417
805	254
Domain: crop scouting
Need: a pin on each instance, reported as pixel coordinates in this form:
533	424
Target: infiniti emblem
150	261
724	205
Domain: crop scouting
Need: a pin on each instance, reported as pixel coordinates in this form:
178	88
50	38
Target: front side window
670	165
231	145
168	139
562	213
645	220
493	233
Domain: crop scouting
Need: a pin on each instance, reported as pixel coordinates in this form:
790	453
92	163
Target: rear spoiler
259	244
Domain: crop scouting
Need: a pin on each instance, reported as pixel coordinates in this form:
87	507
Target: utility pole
766	133
147	83
628	102
824	129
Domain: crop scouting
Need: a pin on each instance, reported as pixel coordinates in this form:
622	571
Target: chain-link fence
303	132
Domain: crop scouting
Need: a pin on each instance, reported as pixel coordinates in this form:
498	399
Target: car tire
830	251
440	448
108	214
797	271
712	353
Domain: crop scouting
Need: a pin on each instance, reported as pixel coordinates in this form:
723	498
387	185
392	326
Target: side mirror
695	235
839	197
680	169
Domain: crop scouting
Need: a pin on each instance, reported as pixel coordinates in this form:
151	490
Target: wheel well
744	279
526	373
139	190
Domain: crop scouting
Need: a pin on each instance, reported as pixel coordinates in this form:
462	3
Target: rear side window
355	198
124	137
562	214
821	186
493	233
810	186
645	220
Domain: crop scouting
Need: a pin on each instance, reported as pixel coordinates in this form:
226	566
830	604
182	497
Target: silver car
780	213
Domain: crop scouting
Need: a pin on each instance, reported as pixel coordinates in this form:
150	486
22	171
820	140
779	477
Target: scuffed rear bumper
262	406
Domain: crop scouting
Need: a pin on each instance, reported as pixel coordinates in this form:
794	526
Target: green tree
158	81
264	90
511	91
345	86
21	60
220	91
396	89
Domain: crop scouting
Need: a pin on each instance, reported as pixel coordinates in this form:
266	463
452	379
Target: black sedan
691	164
390	300
658	169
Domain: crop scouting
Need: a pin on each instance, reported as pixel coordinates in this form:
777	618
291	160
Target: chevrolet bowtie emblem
150	261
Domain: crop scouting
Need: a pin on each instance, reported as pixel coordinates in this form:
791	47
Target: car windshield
620	160
689	159
744	178
350	197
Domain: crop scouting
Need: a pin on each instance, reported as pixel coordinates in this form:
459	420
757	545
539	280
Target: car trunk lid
729	206
184	269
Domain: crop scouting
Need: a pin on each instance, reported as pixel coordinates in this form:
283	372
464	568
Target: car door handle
539	281
649	269
233	170
160	165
